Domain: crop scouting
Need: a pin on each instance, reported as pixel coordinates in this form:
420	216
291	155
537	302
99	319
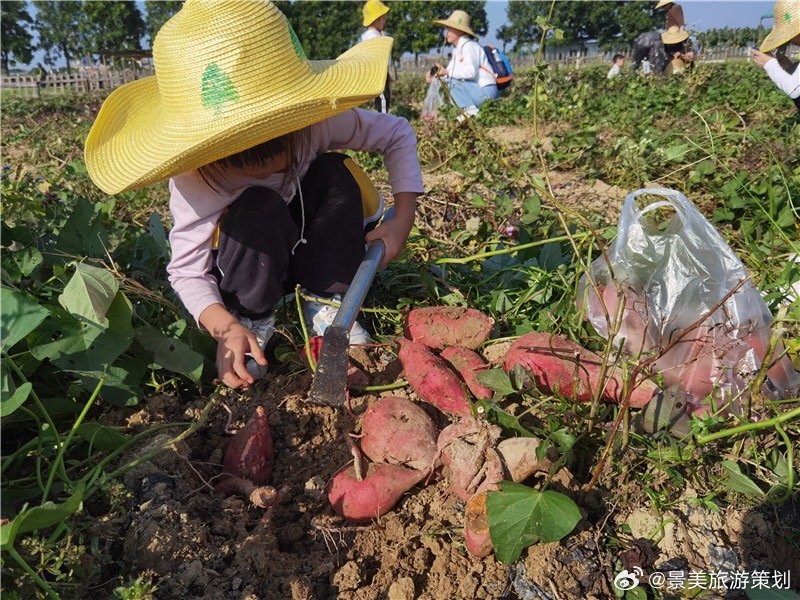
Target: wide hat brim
663	3
452	25
674	37
786	27
132	144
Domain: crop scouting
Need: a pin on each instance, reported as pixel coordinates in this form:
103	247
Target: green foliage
520	516
17	40
58	25
111	26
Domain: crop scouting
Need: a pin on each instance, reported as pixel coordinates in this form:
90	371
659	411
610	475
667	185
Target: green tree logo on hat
217	89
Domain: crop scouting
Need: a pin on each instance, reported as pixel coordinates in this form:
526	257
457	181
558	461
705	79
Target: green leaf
520	516
83	234
84	347
497	416
739	482
498	380
89	293
102	437
158	233
39	517
171	353
10	403
20	315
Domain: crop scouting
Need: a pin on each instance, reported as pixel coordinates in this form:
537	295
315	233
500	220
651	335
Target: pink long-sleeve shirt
197	202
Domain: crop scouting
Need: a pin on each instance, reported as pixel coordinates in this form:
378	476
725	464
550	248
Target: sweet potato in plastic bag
688	303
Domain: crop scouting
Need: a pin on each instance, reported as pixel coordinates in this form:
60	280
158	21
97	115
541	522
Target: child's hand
394	232
232	349
234	342
760	58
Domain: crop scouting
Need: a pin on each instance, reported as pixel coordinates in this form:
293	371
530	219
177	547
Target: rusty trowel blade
330	381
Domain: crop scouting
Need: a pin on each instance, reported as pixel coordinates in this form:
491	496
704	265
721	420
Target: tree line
71	31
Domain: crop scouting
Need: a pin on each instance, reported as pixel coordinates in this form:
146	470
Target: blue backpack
500	66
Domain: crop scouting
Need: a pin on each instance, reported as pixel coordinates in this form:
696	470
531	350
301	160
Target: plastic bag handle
674	199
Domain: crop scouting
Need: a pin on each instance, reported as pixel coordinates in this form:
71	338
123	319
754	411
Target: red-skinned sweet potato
249	453
440	326
468	363
432	379
519	457
561	366
477	538
398	431
375	495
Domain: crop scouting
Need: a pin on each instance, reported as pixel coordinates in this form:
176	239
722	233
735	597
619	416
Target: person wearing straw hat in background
785	31
468	75
375	15
241	123
674	14
678	49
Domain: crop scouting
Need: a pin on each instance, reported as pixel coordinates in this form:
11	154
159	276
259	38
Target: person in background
674	14
678	49
375	15
468	74
618	62
786	30
258	201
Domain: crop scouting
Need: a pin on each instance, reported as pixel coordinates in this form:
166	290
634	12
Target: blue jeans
469	93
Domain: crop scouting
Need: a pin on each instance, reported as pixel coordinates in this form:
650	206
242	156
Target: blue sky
699	14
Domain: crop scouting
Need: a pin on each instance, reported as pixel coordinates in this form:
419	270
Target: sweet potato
470	462
561	366
477	538
397	431
468	363
432	380
371	497
519	457
440	326
249	453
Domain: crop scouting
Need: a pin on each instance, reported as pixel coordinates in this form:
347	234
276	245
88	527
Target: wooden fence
32	86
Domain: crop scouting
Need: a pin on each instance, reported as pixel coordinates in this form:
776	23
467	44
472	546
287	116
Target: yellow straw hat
786	25
373	10
674	35
230	74
663	3
458	20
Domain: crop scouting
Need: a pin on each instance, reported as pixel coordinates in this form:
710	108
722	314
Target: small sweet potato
470	462
432	380
561	366
397	431
249	453
468	363
477	538
371	497
440	326
519	457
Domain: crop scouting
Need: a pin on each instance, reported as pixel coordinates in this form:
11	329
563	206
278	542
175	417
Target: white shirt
370	33
469	63
613	72
790	84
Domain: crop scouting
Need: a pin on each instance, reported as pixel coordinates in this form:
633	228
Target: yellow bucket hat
786	25
230	74
373	10
674	35
458	20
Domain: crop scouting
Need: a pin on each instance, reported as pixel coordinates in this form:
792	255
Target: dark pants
382	101
255	265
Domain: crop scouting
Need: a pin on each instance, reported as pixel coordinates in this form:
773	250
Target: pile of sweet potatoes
441	363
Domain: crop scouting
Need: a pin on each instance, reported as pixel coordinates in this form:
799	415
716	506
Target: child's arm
234	342
394	232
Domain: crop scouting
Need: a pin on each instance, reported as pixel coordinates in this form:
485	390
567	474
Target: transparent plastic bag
433	100
675	293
